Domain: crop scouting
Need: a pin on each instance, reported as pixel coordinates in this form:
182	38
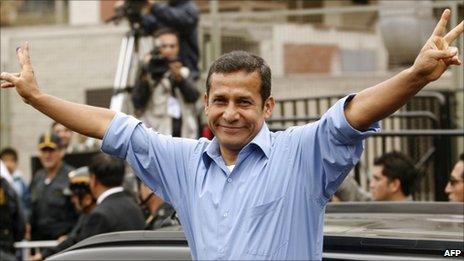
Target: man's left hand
436	55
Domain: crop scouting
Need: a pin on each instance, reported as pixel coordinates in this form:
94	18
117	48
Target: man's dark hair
242	61
9	151
165	30
108	170
398	166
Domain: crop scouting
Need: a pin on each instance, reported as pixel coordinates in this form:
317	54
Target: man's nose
230	113
448	188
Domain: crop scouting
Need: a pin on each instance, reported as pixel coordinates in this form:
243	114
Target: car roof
425	228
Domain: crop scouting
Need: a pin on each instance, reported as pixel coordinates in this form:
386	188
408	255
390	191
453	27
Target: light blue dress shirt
270	206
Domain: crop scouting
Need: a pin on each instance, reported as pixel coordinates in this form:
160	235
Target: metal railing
25	246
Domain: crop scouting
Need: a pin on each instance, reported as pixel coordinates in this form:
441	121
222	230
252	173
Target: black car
352	231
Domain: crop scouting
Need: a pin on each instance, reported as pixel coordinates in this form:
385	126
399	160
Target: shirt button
229	180
226	214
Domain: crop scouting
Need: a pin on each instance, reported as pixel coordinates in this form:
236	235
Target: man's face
234	108
64	133
50	158
10	163
455	186
169	46
382	189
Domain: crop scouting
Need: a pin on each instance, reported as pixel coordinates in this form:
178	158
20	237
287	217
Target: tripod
127	51
128	57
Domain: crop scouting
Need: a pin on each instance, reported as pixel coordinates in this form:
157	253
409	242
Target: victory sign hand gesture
436	55
25	82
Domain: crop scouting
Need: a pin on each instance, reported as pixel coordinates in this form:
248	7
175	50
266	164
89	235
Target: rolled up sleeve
117	136
331	147
160	161
341	145
339	126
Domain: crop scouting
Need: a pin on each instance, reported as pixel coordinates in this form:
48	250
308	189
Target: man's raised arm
383	99
87	120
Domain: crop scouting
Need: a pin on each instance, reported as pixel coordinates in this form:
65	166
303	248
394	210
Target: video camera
158	64
132	11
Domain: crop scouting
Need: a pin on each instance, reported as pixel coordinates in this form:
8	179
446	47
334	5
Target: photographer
164	94
181	15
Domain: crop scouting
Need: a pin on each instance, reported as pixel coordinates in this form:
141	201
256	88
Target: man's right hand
25	82
84	119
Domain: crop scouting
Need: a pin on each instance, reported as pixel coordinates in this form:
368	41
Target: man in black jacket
115	210
52	213
84	203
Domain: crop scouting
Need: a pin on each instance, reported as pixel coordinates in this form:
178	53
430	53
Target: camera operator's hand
146	59
175	67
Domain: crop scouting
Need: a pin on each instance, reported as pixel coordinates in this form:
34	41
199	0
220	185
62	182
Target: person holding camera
181	15
164	94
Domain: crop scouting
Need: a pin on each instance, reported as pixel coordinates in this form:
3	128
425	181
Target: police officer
52	213
12	225
84	203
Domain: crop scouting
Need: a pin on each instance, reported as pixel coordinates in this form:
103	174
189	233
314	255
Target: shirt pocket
57	199
263	228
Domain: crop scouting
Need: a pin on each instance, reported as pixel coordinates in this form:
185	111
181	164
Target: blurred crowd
68	205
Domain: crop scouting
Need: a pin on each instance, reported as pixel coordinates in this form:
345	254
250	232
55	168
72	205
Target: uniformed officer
12	225
84	203
52	213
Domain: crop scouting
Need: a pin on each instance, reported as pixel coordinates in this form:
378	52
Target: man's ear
268	107
205	100
395	185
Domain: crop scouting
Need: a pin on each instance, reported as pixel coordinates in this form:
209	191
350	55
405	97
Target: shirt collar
108	192
262	140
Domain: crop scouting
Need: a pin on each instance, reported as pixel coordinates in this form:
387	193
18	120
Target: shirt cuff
117	137
348	134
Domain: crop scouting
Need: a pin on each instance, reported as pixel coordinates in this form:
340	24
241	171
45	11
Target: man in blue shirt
249	193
